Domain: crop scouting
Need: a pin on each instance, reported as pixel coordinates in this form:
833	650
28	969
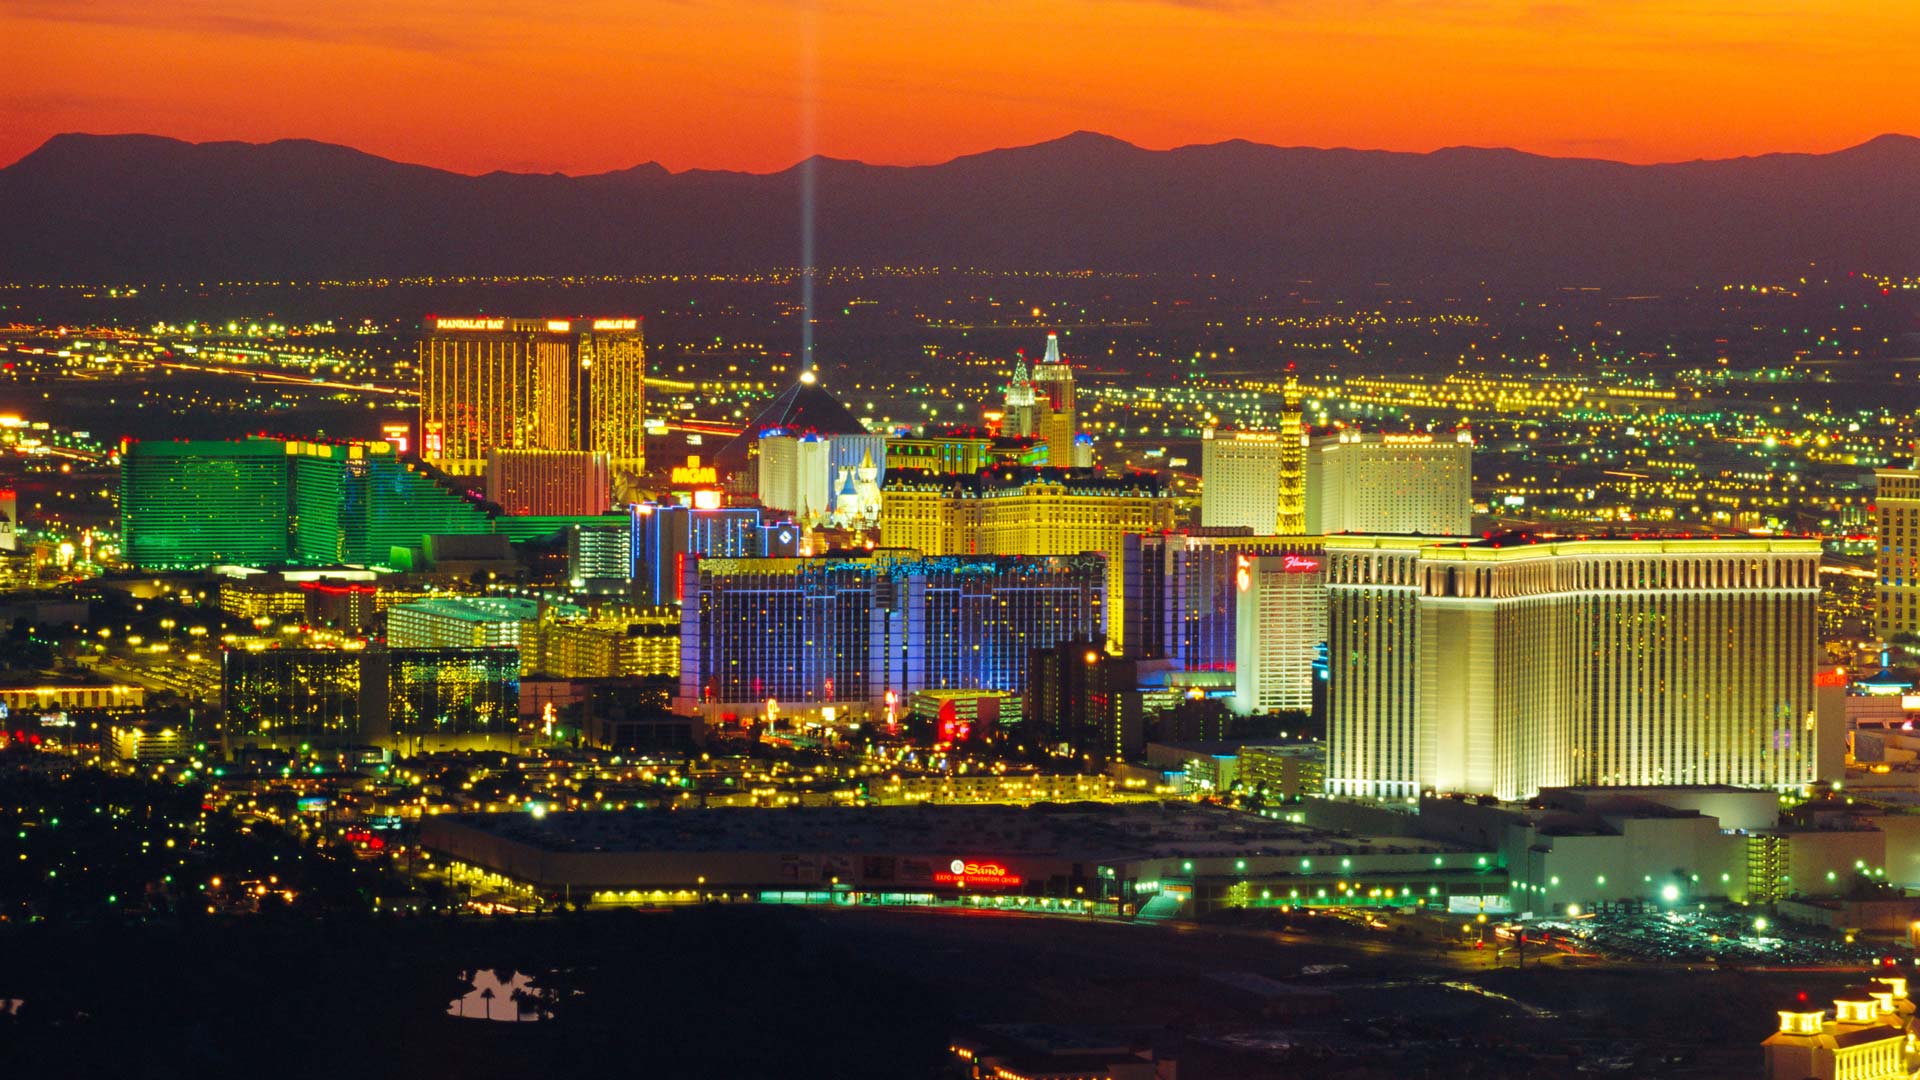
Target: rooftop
903	562
1522	545
1094	831
474	609
1661	790
806	406
1013	479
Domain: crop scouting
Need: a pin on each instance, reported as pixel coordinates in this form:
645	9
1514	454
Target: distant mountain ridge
147	208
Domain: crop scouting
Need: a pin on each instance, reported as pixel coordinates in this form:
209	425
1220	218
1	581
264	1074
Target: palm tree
486	995
464	979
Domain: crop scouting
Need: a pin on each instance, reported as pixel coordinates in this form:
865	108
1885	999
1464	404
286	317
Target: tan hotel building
1896	504
1025	511
1257	480
1503	668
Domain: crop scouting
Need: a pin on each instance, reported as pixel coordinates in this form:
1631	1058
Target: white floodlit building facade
795	475
1413	484
1241	478
1896	504
1282	620
806	475
1257	480
1502	668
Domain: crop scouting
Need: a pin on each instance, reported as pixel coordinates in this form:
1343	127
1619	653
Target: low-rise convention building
1171	859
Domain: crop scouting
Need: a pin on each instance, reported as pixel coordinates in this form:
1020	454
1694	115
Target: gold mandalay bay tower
493	383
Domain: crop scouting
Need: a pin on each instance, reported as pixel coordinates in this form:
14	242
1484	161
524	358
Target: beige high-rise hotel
1500	668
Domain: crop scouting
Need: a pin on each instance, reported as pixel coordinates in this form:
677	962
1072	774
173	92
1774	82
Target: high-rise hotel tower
1257	479
492	383
1501	668
268	502
1388	483
1896	508
1021	415
855	630
1053	394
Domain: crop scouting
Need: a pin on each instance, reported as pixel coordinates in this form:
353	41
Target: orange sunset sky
474	85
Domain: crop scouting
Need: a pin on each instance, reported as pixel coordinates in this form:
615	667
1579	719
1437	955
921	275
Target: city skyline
980	603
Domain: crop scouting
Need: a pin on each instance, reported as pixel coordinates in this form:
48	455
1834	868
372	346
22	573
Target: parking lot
1727	935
